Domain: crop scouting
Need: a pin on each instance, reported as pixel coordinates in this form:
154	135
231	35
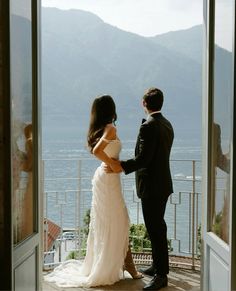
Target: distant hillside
187	42
83	57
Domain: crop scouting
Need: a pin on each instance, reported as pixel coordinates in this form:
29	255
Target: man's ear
144	103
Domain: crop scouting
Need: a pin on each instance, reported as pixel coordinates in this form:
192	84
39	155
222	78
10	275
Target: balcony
179	279
67	202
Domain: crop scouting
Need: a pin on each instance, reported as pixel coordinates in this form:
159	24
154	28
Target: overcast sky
144	17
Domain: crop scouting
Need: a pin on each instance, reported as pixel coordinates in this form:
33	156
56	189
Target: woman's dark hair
154	99
103	112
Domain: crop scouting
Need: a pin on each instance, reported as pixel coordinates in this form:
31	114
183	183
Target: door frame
209	240
31	247
6	219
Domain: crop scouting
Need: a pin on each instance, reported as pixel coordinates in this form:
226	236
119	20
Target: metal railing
67	198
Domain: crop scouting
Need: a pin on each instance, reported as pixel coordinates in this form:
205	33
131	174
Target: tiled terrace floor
179	279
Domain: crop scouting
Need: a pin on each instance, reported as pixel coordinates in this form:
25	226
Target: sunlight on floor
179	279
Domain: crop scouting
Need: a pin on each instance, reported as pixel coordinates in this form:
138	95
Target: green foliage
217	226
199	241
140	240
72	255
170	249
84	231
86	221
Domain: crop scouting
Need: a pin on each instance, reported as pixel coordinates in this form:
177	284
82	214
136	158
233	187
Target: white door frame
215	252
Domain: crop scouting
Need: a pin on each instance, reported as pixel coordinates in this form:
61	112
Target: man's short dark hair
154	99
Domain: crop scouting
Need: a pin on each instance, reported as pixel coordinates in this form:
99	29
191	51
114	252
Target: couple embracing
108	253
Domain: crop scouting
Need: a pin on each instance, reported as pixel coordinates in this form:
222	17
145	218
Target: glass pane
21	96
222	118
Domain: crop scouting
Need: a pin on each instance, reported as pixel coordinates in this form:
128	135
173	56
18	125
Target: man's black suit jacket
151	161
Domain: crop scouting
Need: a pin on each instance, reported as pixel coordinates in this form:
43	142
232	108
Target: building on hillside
51	234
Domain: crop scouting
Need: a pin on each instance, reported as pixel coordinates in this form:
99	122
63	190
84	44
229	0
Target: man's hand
115	167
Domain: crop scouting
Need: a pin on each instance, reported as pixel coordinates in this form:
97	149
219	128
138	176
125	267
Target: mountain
187	42
82	57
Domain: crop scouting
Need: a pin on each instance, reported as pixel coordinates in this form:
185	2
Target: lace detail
108	241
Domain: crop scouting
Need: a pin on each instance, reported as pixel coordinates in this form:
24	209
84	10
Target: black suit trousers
153	213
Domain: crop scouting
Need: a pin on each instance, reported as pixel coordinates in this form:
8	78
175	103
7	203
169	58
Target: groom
153	182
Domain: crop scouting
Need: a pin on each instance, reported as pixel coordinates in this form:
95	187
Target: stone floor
179	279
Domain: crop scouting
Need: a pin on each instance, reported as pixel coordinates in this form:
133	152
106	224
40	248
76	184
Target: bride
108	253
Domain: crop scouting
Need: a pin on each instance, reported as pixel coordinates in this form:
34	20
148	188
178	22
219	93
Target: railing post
79	226
61	223
43	207
46	224
45	204
137	203
193	213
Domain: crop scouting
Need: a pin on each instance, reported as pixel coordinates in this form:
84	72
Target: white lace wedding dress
107	242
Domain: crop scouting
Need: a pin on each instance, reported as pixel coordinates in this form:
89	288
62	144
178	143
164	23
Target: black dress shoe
151	271
157	283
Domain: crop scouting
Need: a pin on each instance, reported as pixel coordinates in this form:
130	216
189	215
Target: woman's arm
98	150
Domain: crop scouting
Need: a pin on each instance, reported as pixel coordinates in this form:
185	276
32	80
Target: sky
144	17
152	17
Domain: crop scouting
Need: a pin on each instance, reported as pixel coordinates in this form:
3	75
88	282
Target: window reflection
221	187
22	184
222	119
21	114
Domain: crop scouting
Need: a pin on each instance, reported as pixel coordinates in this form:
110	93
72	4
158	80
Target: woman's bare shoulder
109	131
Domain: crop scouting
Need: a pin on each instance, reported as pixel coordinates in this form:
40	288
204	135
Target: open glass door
218	116
24	144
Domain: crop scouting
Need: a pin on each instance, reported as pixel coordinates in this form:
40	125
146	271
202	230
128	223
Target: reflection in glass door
21	119
222	119
218	116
